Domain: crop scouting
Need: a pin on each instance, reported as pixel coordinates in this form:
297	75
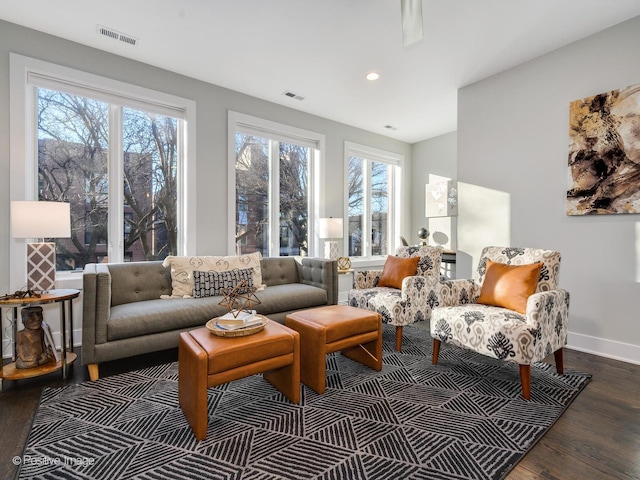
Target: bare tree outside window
73	163
150	189
294	199
377	175
356	206
379	208
255	186
252	194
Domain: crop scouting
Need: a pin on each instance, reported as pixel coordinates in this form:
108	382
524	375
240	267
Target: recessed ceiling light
373	76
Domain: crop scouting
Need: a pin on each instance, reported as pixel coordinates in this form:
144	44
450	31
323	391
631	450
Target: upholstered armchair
409	301
482	314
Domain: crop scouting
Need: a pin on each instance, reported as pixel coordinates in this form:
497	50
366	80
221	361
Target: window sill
367	263
69	279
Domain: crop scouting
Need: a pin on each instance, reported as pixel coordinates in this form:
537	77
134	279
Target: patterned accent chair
501	333
412	303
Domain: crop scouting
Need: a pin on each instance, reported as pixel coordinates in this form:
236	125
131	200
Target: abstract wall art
604	153
441	199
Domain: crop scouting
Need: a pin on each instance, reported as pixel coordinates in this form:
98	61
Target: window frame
370	155
242	123
27	74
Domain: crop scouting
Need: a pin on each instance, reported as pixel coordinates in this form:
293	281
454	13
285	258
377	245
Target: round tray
240	332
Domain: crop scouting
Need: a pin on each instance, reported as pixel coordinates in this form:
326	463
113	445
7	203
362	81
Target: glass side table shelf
62	296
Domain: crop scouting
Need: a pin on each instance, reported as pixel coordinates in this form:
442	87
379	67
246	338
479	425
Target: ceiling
322	49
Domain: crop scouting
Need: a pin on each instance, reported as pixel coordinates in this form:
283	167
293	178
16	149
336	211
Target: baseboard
602	347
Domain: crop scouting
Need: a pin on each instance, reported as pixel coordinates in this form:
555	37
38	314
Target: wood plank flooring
598	437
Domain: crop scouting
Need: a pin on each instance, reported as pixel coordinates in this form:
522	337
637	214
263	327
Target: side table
62	296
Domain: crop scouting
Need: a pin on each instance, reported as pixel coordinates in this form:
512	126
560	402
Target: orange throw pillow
395	269
509	286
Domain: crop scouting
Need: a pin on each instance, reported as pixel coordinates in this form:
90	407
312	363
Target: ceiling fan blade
411	21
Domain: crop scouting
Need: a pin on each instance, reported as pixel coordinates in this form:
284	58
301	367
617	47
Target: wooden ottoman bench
354	331
206	360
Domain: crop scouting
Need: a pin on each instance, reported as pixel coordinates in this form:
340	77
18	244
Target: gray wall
435	156
212	104
512	160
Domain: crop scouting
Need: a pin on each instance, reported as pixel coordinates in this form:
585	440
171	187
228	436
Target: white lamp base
331	250
41	266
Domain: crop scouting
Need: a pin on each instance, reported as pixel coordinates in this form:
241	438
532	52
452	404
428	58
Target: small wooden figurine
31	350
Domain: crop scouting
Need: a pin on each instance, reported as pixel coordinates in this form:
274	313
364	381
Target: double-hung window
116	153
273	175
373	199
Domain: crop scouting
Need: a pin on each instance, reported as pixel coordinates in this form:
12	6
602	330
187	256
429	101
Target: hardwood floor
598	437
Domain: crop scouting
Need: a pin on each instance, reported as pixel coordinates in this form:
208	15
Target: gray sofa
123	314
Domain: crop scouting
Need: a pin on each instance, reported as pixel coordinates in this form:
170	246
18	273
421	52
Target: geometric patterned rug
462	419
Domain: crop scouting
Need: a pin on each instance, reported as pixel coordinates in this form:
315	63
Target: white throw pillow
182	270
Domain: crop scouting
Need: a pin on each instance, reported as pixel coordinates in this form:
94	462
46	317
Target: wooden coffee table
206	360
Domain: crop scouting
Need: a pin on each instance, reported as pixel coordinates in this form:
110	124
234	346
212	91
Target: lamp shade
33	219
331	227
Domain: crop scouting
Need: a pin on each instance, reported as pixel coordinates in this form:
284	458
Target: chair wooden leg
559	361
525	379
436	351
93	371
398	338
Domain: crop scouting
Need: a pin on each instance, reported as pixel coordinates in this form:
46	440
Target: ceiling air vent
293	95
111	33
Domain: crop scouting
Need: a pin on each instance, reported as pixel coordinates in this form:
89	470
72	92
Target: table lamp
331	228
33	219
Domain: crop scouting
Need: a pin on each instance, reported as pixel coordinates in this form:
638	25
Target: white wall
212	104
512	160
435	156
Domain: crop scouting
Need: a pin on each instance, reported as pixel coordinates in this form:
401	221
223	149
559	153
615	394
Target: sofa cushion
509	286
138	281
182	269
430	258
279	271
377	299
396	269
210	284
549	274
489	330
292	296
155	316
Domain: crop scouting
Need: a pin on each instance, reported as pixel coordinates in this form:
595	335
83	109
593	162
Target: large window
115	152
372	200
75	152
274	174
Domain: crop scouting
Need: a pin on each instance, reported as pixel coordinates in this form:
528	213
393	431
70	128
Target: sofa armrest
457	292
418	297
321	273
96	292
547	315
416	286
366	278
